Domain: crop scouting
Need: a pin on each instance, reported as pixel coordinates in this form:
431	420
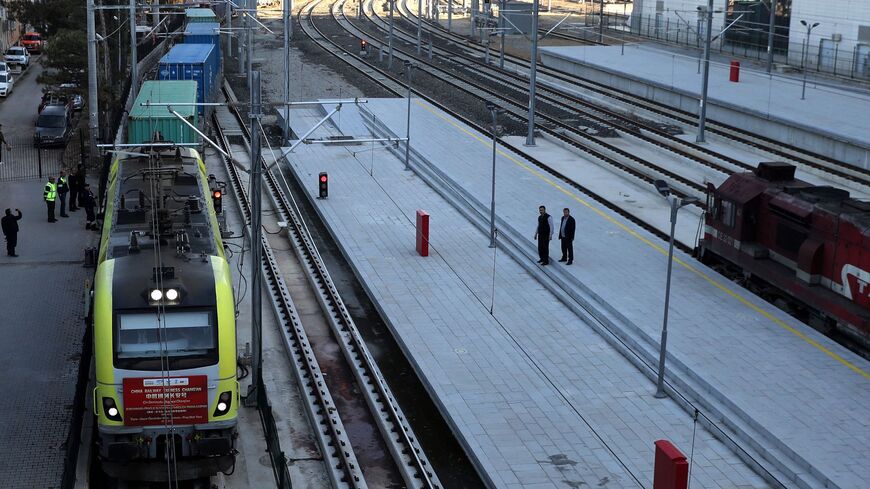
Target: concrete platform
546	374
43	300
831	121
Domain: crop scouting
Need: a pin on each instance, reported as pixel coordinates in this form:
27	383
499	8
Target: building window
751	31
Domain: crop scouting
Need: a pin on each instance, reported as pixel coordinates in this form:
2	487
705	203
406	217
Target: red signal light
323	185
217	194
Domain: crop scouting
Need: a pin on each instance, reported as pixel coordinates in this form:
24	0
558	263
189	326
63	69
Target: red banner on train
159	401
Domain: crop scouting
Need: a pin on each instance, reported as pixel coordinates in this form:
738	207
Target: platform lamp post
771	32
806	55
494	110
408	68
705	84
676	203
533	73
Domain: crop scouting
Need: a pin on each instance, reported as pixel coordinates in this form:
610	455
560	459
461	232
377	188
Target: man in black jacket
10	230
544	233
566	235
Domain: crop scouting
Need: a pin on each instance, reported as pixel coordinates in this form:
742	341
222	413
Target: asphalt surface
41	316
18	109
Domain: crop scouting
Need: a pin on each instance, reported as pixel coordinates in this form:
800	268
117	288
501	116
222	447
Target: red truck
32	41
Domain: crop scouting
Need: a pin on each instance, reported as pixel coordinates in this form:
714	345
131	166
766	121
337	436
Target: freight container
200	15
197	62
146	122
204	33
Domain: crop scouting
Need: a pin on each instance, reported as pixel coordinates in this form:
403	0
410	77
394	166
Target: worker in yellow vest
49	194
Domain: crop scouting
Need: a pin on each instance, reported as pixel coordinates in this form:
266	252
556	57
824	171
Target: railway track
347	391
394	83
514	101
837	171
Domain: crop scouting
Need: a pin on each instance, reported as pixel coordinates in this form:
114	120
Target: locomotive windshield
181	339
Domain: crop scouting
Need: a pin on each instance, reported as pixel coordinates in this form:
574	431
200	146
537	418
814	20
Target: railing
22	161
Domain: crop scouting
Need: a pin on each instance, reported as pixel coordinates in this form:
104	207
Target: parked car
6	83
53	126
17	55
32	41
55	97
78	101
4	68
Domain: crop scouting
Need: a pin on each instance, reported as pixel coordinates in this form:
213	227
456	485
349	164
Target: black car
53	127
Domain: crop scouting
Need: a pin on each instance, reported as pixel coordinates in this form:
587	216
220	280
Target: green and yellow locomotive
164	322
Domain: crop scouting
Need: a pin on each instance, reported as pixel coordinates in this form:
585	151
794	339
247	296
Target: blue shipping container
204	33
198	62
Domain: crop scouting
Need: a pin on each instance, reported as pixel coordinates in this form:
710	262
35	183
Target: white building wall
837	37
841	40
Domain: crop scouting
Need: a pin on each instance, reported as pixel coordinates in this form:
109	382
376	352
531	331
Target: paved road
41	305
18	109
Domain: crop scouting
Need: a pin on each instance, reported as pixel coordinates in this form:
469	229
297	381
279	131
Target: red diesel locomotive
803	247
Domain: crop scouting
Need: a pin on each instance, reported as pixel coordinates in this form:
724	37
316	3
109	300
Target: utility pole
256	245
533	72
501	6
419	26
288	32
702	122
601	23
408	67
228	9
134	56
493	109
449	15
390	41
249	36
770	34
93	101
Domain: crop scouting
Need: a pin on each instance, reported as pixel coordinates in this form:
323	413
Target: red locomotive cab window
727	213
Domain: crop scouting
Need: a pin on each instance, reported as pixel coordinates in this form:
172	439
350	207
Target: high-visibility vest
50	192
63	184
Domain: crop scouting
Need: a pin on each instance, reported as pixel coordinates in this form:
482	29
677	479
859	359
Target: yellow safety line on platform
735	295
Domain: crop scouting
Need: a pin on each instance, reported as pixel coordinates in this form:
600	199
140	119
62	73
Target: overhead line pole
288	32
134	56
390	58
93	101
533	72
770	34
256	243
249	36
419	25
702	120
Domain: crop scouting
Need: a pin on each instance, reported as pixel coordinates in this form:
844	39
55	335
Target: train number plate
163	401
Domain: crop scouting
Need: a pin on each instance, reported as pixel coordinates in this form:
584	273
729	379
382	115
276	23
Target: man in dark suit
566	235
10	230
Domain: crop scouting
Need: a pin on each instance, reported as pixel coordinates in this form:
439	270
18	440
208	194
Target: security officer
49	194
62	190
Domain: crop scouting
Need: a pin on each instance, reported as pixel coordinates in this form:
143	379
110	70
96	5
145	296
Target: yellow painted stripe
660	249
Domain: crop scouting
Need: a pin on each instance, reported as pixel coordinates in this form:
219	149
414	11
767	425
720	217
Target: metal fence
852	60
22	161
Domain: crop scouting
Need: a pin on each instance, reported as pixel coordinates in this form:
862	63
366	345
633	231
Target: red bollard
735	71
422	232
671	468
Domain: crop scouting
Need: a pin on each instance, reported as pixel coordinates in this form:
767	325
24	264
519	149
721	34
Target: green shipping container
144	121
200	15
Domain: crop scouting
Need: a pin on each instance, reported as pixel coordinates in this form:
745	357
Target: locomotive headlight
111	409
171	294
224	402
156	294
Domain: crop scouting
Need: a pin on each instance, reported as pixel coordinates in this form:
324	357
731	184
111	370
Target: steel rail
796	155
339	458
601	150
396	431
396	86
